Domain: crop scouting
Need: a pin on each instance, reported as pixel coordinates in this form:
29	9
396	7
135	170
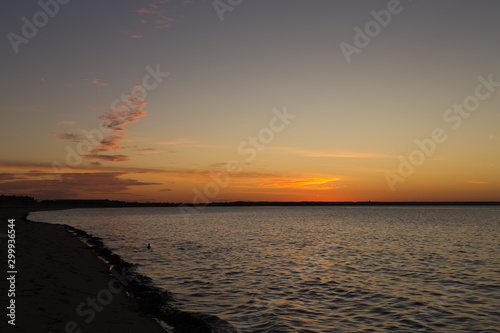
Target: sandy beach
62	286
56	273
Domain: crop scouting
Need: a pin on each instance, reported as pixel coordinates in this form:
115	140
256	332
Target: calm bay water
315	269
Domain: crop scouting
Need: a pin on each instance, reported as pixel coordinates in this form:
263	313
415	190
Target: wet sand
56	273
62	286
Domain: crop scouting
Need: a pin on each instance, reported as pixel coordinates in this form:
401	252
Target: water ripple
316	269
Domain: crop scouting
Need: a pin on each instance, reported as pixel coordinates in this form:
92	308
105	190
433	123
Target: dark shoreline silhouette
79	275
150	300
9	201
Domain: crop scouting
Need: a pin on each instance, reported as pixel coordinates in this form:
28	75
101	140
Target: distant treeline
12	200
351	203
103	203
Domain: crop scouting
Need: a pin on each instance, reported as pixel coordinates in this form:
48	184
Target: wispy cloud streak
336	154
475	182
96	81
160	19
302	182
75	185
128	110
76	138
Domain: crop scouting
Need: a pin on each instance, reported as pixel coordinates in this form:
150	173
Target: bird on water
149	245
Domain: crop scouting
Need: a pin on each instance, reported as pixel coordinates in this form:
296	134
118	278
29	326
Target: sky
228	100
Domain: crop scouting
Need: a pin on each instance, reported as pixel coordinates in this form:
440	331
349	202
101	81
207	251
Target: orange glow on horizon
297	183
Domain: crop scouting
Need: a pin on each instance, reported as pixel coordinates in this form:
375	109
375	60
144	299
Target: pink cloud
110	143
96	81
156	9
148	150
126	111
164	21
149	11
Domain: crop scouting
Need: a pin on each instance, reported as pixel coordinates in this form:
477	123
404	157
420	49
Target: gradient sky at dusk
228	80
